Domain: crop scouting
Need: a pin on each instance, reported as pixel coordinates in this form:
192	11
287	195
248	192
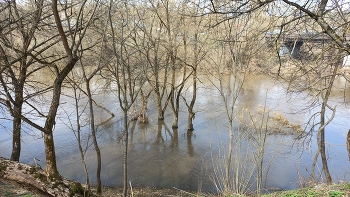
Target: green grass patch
316	191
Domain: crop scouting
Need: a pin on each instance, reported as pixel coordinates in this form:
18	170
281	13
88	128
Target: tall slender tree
124	69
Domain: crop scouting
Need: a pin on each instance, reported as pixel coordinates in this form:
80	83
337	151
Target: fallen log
35	177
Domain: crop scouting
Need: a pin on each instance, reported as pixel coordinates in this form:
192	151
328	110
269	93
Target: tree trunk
51	167
93	133
125	162
190	120
321	132
82	155
321	144
143	112
175	104
16	138
160	110
176	120
17	109
229	159
191	114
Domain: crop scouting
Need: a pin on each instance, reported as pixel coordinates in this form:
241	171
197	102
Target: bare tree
76	125
236	44
177	60
34	55
61	74
20	52
197	40
323	15
125	70
151	38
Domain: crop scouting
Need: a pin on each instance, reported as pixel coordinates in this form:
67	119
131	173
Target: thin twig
132	193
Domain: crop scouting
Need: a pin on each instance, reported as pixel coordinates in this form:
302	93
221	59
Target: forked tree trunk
191	113
322	148
142	117
175	124
160	110
51	167
323	124
321	142
175	104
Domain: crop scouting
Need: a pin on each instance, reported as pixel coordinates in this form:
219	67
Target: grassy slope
316	191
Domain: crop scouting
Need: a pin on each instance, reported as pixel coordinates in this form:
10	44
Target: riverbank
13	189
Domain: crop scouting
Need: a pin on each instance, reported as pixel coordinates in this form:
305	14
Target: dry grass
277	123
147	192
321	190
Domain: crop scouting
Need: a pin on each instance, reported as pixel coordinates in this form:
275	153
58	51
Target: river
162	157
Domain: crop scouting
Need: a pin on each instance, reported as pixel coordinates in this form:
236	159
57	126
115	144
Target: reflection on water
164	157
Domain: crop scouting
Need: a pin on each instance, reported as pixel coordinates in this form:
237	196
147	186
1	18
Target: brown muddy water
162	157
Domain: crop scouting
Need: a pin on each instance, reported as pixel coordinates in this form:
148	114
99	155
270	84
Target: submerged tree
196	44
124	69
170	17
151	34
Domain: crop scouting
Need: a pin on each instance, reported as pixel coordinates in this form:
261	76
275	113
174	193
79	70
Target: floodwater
162	157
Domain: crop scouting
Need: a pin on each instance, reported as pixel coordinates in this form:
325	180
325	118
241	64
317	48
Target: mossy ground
12	189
